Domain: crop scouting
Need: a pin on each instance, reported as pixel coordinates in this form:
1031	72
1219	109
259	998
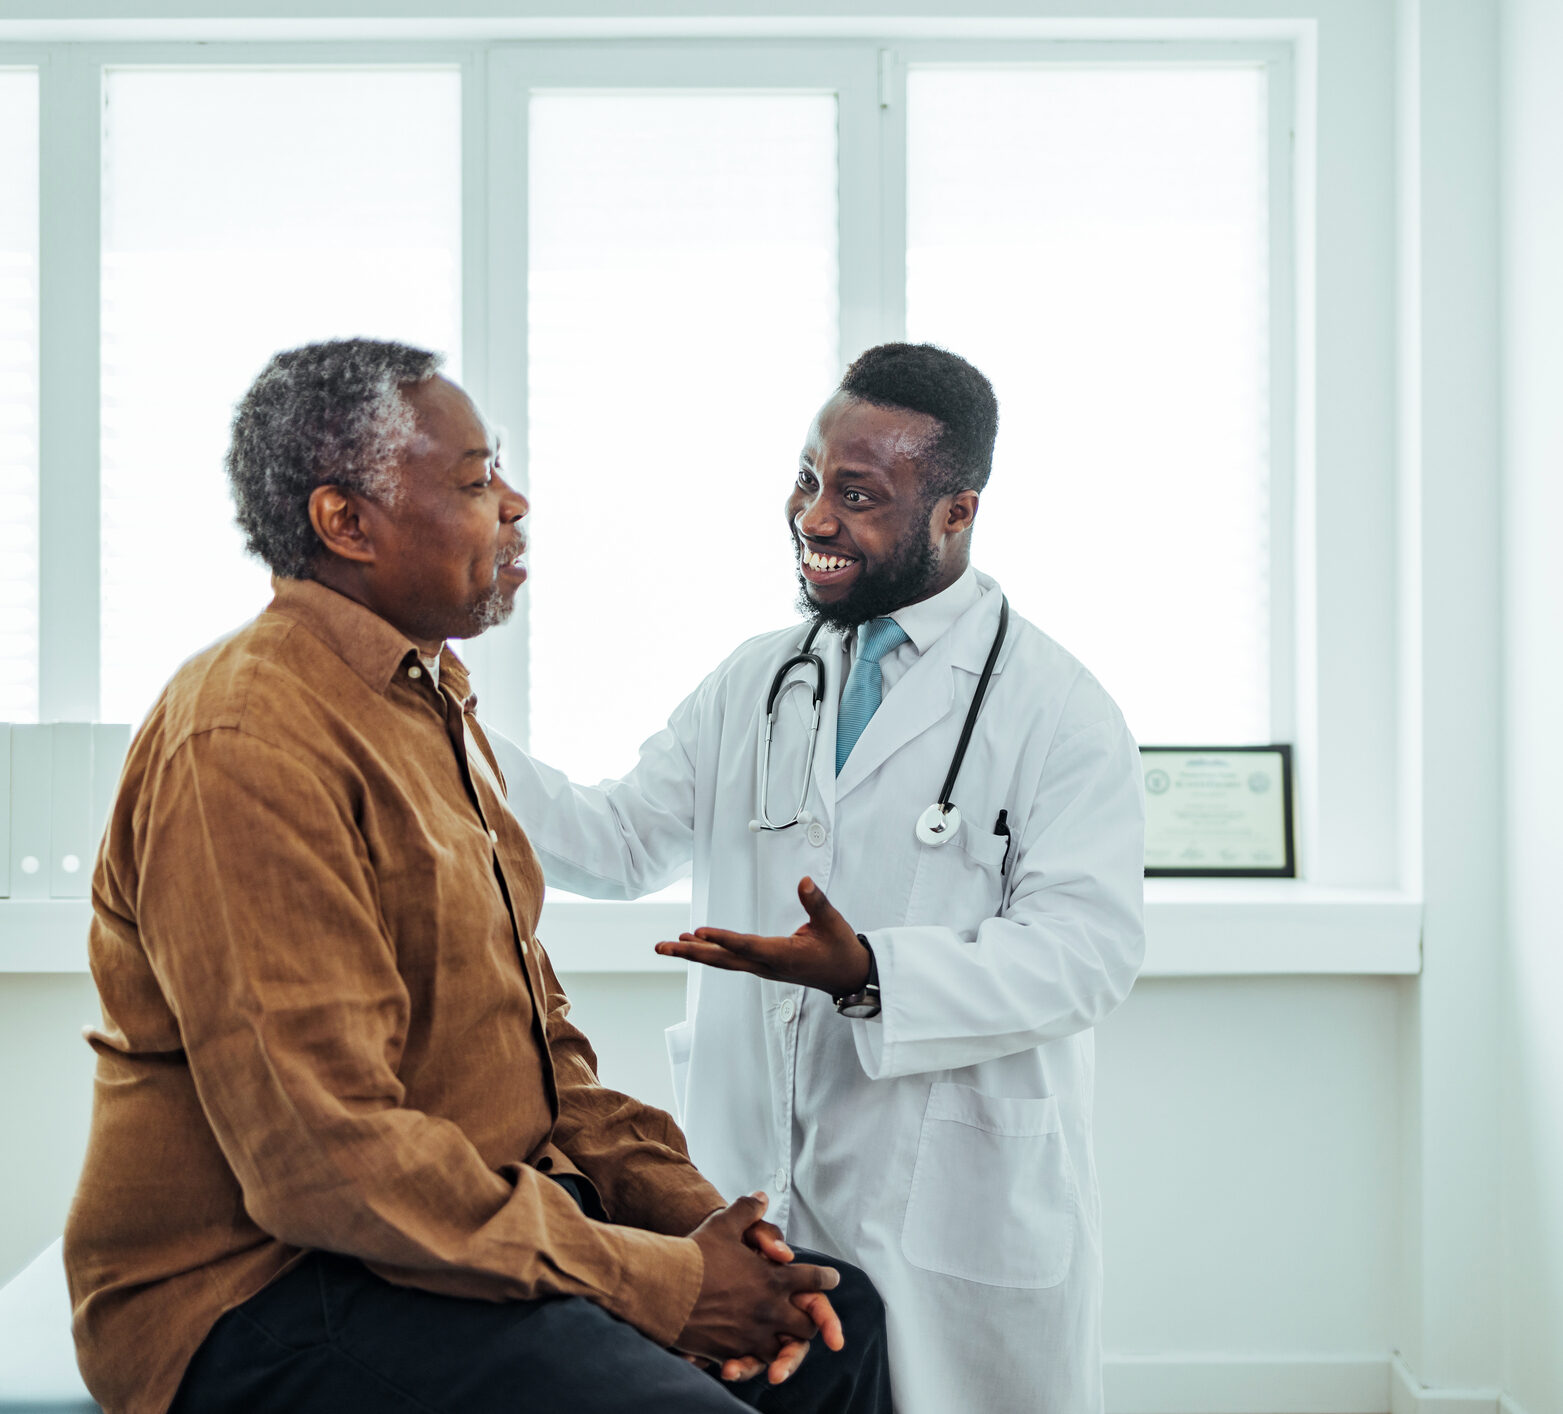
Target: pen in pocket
1001	827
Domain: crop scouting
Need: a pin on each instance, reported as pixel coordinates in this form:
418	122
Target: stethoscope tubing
806	657
959	758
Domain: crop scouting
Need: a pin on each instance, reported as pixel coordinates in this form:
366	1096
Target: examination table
37	1359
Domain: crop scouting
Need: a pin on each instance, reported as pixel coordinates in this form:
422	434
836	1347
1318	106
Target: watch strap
864	1002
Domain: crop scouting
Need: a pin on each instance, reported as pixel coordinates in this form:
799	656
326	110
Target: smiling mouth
512	560
824	564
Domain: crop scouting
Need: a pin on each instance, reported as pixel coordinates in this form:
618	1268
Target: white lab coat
945	1146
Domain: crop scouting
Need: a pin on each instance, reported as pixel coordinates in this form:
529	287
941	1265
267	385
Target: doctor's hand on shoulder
825	952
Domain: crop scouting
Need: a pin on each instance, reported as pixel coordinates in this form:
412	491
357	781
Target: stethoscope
939	822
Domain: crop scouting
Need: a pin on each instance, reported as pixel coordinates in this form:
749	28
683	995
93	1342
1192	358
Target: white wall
1248	1144
1533	680
1247	1138
1247	1141
1448	1326
45	1105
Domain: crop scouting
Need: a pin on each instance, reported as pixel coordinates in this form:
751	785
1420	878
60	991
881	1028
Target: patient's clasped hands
754	1298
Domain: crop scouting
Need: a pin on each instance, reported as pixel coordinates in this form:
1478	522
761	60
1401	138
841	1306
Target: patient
347	1151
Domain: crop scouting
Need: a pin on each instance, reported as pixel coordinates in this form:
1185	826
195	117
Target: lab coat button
789	1009
816	833
415	671
493	836
781	1180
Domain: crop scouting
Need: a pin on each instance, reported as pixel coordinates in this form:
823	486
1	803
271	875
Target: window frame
1341	804
499	659
1279	65
30	60
71	117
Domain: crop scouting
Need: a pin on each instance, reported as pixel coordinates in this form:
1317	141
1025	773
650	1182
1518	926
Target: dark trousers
330	1337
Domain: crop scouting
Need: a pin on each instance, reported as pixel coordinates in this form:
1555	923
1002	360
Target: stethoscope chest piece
938	823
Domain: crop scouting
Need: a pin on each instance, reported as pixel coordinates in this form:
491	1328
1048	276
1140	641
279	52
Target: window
682	329
1094	238
246	211
19	395
649	262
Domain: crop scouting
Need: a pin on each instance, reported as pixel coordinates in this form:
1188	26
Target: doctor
907	1065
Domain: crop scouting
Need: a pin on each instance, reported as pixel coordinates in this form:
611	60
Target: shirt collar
370	646
925	621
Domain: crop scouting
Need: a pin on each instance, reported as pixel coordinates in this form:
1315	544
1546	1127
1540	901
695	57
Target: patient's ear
337	517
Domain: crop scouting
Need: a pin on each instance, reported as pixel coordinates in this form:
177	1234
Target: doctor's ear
960	513
335	514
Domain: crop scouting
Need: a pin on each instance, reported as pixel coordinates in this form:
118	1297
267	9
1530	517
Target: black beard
902	579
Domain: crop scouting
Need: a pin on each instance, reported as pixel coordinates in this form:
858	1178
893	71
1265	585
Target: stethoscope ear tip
755	827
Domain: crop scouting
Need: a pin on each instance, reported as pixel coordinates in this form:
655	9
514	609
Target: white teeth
816	561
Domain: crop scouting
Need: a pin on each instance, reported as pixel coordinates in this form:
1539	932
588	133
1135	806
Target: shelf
1270	927
1194	928
44	935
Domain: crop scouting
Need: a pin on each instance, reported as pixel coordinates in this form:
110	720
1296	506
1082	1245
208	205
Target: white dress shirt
923	623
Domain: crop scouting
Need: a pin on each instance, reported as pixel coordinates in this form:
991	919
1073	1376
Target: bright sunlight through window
19	395
1095	239
246	211
682	333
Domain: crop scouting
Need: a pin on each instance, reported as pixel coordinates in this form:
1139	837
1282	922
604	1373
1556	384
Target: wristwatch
863	1003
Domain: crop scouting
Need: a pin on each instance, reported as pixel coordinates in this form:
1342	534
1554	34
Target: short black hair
927	379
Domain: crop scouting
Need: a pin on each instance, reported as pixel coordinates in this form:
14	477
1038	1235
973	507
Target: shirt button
493	836
781	1180
789	1009
415	671
816	833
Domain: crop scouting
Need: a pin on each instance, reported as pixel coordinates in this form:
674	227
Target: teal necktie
864	687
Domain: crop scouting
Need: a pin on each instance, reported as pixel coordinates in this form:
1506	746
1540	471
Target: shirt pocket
993	1194
959	884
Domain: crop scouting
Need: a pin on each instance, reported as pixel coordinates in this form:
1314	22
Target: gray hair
330	414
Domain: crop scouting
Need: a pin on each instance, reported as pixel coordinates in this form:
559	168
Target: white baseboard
1211	1385
1408	1395
1240	1385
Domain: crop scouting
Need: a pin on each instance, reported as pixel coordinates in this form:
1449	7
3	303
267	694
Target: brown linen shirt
328	1023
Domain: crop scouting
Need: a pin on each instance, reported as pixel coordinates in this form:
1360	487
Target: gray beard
488	612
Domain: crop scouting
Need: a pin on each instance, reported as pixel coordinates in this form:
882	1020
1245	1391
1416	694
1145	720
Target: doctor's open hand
823	953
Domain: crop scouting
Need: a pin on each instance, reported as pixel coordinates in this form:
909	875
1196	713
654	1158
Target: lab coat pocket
960	883
680	1041
993	1190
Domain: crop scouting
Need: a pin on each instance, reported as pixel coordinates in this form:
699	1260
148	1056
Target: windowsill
1194	927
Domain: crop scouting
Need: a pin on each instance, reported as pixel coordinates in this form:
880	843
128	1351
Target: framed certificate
1218	812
